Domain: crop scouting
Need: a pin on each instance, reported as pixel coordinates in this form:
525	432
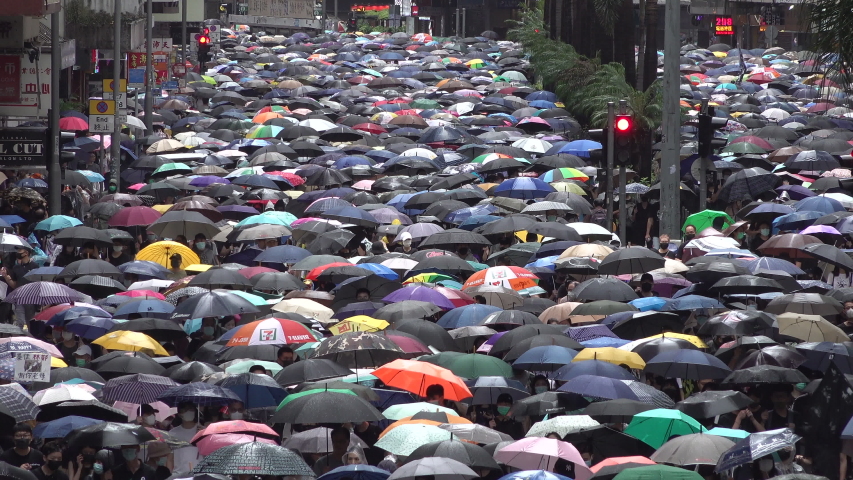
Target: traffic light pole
703	169
115	163
149	33
608	194
670	199
623	207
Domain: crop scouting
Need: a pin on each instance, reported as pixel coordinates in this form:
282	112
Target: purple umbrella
419	231
207	180
796	192
423	294
388	215
486	347
816	229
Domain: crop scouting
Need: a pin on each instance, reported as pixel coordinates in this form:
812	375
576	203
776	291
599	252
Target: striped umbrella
139	388
42	293
200	393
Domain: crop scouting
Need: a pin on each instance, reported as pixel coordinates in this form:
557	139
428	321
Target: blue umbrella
593	367
795	221
533	475
254	390
146	308
692	302
467	316
32	183
648	303
76	311
283	254
604	342
824	205
198	393
89	327
598	387
525	188
144	268
772	263
61	427
580	148
43	273
459	216
475	221
12	219
546	358
755	446
356	472
380	270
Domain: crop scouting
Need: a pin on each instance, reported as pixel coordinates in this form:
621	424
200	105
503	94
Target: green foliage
829	22
585	85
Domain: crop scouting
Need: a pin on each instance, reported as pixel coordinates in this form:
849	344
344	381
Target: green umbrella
173	167
477	265
655	427
425	104
396	412
371	72
728	433
306	350
294	396
475	365
255	300
705	219
744	147
405	439
443	359
57	222
244	366
657	472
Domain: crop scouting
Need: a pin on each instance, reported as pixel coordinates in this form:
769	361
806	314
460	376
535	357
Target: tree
830	38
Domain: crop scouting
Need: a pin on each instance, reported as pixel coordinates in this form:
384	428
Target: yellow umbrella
57	363
162	208
306	307
690	338
569	187
131	342
358	323
611	355
522	236
197	268
161	251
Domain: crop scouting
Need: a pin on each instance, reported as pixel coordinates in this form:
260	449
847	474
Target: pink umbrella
142	293
210	444
363	185
136	186
540	453
134	216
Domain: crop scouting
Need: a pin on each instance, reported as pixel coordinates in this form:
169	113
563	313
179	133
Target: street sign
101	123
170	85
102	107
179	70
121	100
108	85
136	77
156	92
214	33
23	147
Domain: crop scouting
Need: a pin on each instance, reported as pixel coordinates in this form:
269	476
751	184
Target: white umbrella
134	122
532	145
62	393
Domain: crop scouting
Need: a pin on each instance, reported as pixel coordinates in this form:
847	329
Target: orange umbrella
607	462
263	117
409	420
415	377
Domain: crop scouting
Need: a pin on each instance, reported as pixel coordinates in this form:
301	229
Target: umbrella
253	458
406	438
541	453
440	468
326	407
756	446
468	454
108	434
416	377
712	403
656	427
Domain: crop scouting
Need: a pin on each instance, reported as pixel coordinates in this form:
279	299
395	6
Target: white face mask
118	248
850	313
236	415
149	419
188	416
67	335
407	242
765	464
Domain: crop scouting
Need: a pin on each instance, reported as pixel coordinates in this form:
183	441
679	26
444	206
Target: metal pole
464	20
458	18
336	12
670	212
54	197
323	29
184	33
611	117
623	204
703	170
116	152
149	34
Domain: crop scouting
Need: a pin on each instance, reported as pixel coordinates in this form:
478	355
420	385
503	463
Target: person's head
259	369
200	242
175	261
480	299
540	384
22	435
236	410
572	285
148	417
647	282
503	404
664	240
354	456
378	248
181	239
435	394
340	440
117	246
52	452
462	251
130	452
644	199
406	239
598	203
554	435
187	412
158	454
689	232
780	397
22	255
82	356
362	295
848	310
764	229
285	355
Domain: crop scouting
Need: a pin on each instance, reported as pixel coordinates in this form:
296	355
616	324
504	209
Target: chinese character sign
10	78
32	367
136	60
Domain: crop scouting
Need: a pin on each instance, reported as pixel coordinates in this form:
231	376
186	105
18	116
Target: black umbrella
778	355
81	235
712	403
379	288
64	374
87	408
429	333
406	310
97	286
8	472
630	260
516	335
466	453
276	282
736	322
645	324
604	289
90	267
310	370
820	355
213	304
330	243
693	449
746	285
747	184
539	341
327	407
547	403
190	371
604	442
765	374
253	458
109	434
111	366
829	254
616	411
651	348
359	350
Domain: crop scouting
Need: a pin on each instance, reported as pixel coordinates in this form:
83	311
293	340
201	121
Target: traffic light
352	25
204	44
599	156
708	124
623	138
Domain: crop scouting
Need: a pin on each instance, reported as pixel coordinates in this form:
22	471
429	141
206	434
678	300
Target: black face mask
646	287
88	459
664	245
22	442
54	464
463	252
689	237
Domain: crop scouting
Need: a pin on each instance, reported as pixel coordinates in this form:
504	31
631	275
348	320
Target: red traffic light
204	40
205	31
624	123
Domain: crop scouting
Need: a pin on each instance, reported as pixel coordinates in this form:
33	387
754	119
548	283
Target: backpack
599	217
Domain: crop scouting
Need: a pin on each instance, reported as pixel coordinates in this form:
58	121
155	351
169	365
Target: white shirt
187	457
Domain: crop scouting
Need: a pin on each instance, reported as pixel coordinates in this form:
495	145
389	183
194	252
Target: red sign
162	76
179	70
724	26
136	59
415	10
10	78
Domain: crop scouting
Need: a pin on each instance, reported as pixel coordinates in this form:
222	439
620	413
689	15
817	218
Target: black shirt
34	458
19	270
57	475
116	261
144	472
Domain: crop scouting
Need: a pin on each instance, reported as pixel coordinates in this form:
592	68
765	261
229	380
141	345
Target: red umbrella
753	140
292	178
73	123
134	216
252	271
212	443
820	107
313	274
370	128
408	344
456	297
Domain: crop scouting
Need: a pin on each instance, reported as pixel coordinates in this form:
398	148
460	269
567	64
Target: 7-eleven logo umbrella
515	278
271	331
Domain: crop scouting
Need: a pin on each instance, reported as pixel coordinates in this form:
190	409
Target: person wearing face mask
160	458
285	356
846	325
83	356
68	346
147	417
118	254
236	411
763	235
647	283
186	458
82	467
204	249
22	455
463	252
502	421
663	247
539	385
133	468
689	234
175	271
406	244
52	463
67	255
